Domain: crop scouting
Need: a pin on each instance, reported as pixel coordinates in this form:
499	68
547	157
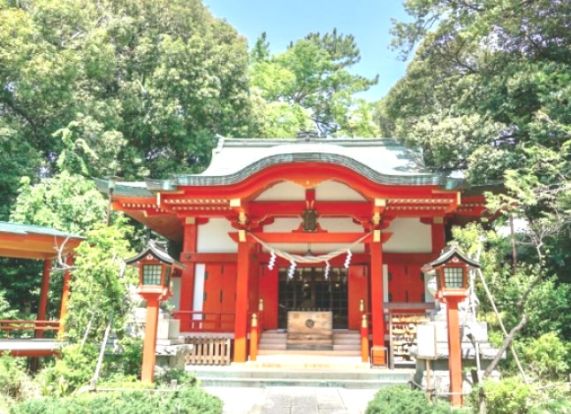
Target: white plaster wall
409	236
213	237
326	191
333	190
198	298
341	225
285	190
385	283
283	224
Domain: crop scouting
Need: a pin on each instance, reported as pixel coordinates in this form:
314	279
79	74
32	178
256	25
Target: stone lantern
156	267
451	269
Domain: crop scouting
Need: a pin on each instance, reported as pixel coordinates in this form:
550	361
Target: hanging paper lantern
327	268
291	270
272	261
348	259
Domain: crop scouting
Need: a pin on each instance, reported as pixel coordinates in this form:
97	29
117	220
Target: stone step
310	346
262	374
307	352
290	382
257	370
264	347
347	340
345	347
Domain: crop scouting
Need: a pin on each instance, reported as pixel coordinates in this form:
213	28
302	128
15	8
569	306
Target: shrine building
274	227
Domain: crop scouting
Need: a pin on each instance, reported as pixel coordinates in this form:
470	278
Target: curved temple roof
383	161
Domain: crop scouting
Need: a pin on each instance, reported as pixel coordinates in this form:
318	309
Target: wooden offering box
309	330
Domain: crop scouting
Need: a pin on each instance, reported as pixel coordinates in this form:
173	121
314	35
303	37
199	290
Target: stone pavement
292	400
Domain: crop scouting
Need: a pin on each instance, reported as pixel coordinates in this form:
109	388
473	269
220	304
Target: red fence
36	326
193	321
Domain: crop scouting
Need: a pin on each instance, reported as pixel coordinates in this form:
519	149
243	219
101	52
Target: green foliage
185	400
181	376
127	361
73	370
66	202
310	86
508	396
548	325
126	87
401	399
547	356
15	384
5	311
101	282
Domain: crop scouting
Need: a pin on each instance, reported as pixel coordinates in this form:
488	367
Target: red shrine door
358	289
219	296
406	283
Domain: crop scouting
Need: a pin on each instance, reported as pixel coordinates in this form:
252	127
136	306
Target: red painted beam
306	237
323	208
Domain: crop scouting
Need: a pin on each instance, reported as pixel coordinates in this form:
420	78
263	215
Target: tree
69	203
125	87
313	75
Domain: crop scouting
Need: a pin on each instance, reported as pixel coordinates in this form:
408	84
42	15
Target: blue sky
286	20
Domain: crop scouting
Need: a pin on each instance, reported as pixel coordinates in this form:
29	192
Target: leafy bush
15	383
74	369
547	356
507	396
401	399
128	360
186	400
181	376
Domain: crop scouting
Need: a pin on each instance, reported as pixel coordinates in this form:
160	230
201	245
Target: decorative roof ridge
427	178
273	142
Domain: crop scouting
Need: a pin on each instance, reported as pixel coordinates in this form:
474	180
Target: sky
286	20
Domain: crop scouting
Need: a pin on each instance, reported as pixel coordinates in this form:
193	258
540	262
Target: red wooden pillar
377	299
190	236
65	297
454	349
242	300
150	341
438	235
43	306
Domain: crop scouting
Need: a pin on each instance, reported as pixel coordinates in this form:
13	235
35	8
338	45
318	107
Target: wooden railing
194	321
36	327
209	351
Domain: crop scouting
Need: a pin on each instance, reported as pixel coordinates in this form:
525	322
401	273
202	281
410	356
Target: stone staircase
264	374
345	343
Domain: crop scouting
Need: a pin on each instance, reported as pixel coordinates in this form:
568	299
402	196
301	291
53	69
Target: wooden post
150	341
254	337
65	297
364	339
43	306
377	300
454	350
190	230
241	315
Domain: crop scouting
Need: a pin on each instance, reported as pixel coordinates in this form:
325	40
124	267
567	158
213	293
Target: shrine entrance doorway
311	290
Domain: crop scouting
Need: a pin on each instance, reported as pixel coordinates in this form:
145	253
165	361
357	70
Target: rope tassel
291	270
348	259
272	261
